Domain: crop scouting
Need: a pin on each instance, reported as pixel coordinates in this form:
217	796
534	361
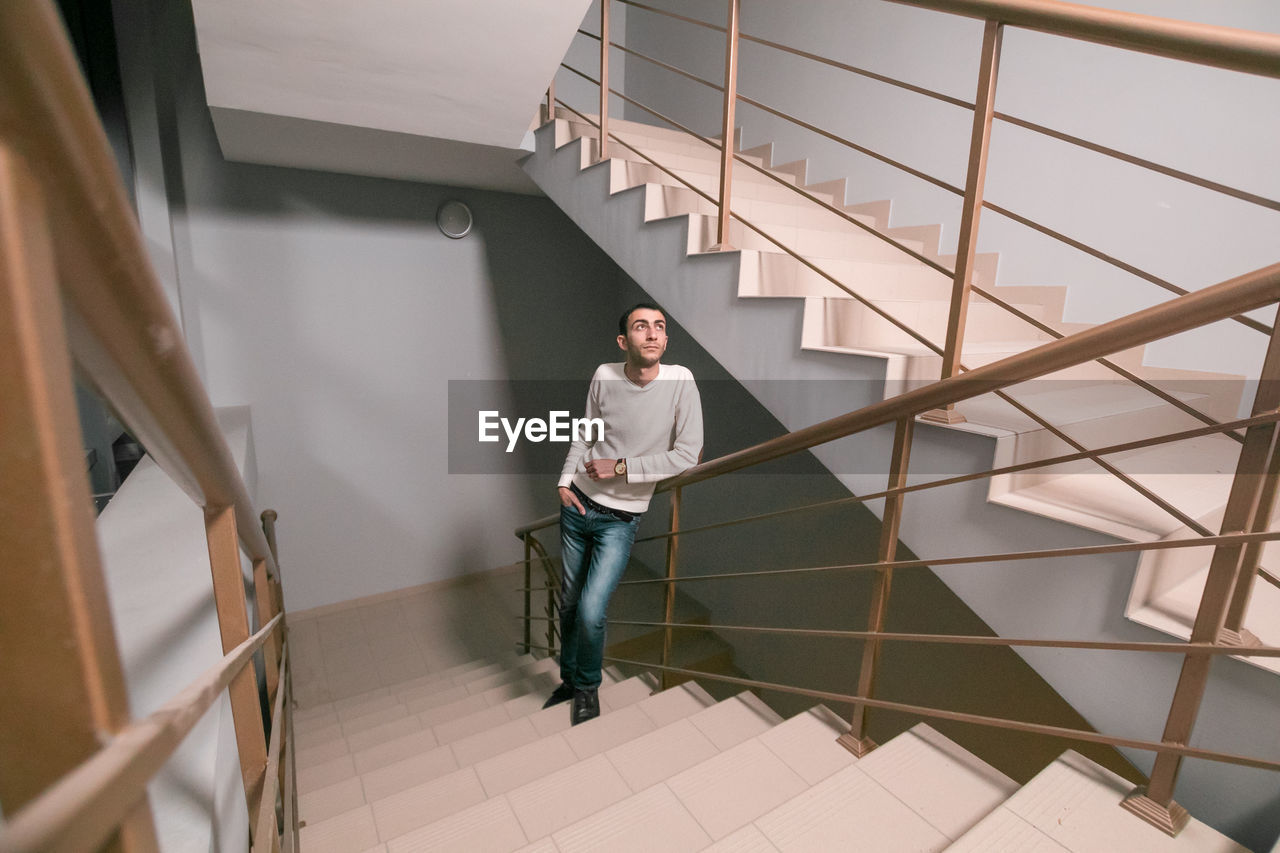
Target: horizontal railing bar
664	12
1111	469
83	808
651	111
120	327
1227	298
968	639
848	217
1187	177
1109	259
1202	44
1138	444
671	68
961	717
1106	362
881	78
937	182
266	825
1011	556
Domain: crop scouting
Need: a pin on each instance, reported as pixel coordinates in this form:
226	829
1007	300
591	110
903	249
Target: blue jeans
595	548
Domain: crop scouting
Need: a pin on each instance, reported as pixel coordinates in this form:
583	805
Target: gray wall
1208	122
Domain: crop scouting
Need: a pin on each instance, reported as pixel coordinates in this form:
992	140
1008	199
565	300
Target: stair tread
1074	803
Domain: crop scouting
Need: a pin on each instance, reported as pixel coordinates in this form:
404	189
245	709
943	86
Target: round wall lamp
454	219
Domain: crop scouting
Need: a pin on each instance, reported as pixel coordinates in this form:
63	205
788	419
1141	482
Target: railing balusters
728	126
528	592
673	555
264	599
856	740
1154	803
1234	630
233	623
604	80
975	182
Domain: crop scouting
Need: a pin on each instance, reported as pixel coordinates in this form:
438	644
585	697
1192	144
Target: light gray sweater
656	427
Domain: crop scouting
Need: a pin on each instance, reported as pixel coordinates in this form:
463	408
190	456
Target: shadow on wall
993	681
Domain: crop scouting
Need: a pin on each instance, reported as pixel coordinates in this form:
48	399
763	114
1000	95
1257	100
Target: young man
652	430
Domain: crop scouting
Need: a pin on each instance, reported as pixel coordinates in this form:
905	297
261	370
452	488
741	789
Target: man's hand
601	469
568	498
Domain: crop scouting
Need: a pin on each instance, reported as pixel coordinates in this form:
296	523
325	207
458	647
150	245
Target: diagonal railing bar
83	808
667	14
694	77
1111	469
1031	465
1107	363
916	173
1151	496
595	36
706	139
1011	556
1268	577
961	717
1112	260
848	217
1187	177
787	249
969	639
853	69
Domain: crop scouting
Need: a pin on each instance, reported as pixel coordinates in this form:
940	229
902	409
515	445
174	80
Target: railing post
60	672
528	593
1234	631
673	554
975	182
728	127
274	592
264	598
549	111
856	739
233	623
1154	803
604	79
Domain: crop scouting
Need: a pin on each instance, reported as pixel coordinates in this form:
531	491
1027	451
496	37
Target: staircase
790	323
466	760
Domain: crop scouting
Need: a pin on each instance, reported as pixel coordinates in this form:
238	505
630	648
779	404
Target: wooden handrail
121	330
1205	44
81	810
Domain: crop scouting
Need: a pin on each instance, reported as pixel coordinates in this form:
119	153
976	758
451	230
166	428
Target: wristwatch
620	467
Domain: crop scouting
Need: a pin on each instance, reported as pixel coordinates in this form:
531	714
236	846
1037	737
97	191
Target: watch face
620	467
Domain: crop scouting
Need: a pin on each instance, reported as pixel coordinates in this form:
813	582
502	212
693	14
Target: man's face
646	337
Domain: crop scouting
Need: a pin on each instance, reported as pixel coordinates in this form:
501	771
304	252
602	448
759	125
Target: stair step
1074	805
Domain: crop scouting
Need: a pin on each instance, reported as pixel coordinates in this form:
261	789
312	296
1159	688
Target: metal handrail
121	330
1204	44
265	828
81	810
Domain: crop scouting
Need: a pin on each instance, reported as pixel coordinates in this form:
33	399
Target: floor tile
489	827
735	787
353	830
566	796
414	770
427	803
652	820
653	757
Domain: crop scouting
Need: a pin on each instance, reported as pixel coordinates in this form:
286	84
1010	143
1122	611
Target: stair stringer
1048	598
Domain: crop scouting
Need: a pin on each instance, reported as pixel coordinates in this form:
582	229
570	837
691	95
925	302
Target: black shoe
586	705
563	693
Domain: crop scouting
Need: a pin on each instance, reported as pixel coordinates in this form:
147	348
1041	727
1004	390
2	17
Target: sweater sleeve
685	449
578	447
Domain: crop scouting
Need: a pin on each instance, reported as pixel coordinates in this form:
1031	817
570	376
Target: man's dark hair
626	315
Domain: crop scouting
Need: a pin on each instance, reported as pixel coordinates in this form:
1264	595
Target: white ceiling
463	71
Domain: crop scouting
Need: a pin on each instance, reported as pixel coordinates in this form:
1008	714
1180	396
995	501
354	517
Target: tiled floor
364	647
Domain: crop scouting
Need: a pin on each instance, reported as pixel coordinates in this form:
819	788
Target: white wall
1212	123
335	309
